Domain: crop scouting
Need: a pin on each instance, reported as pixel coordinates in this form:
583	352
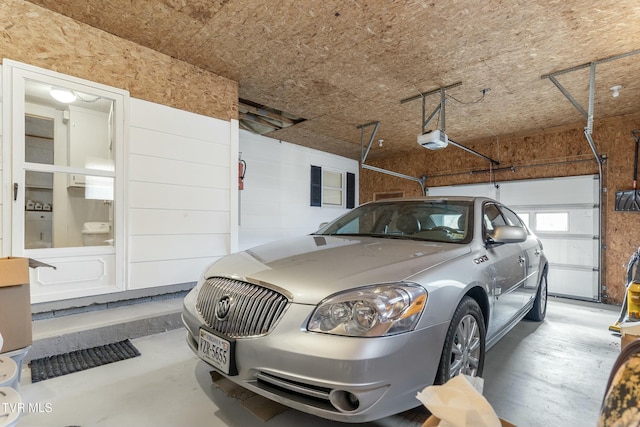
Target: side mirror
507	234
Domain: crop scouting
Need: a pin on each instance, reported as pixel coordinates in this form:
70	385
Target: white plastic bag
459	403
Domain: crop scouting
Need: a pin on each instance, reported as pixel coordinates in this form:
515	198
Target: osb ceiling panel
342	64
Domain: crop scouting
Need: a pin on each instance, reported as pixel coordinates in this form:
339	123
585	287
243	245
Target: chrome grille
252	310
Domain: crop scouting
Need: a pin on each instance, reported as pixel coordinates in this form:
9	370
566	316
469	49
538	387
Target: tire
539	309
464	345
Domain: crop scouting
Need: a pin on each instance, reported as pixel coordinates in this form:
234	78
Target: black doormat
79	360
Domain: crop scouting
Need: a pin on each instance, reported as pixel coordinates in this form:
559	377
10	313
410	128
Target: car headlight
373	311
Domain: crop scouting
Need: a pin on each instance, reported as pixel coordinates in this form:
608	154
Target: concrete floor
540	374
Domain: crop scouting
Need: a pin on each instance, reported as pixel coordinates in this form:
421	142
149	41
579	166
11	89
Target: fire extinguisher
242	169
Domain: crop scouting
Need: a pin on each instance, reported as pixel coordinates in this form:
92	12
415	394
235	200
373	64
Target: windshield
433	220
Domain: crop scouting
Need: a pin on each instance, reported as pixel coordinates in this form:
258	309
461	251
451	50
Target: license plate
217	351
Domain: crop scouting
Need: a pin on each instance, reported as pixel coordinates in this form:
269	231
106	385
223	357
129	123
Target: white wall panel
156	248
149	221
166	272
171	121
180	187
171	171
276	200
167	196
157	144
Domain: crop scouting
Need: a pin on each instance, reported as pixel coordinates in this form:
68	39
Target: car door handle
537	252
521	260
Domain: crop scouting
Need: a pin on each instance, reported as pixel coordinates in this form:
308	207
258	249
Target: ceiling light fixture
85	97
62	95
615	90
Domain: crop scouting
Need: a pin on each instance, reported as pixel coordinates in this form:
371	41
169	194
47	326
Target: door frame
67	280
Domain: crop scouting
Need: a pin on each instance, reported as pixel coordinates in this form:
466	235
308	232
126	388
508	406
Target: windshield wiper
389	236
378	235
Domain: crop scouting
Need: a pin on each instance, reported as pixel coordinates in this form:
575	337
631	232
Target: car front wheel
463	351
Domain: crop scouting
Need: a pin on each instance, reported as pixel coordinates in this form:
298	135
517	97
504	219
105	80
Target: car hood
310	268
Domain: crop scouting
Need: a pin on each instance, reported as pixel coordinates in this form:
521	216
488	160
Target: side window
492	217
332	188
511	217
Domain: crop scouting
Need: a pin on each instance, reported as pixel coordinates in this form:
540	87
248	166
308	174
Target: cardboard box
15	304
434	421
630	331
14	271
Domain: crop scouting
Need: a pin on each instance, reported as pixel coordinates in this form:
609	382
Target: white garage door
563	212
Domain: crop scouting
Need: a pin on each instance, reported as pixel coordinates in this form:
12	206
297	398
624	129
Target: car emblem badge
223	307
482	259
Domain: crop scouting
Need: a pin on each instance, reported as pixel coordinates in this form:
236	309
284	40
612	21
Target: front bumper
334	377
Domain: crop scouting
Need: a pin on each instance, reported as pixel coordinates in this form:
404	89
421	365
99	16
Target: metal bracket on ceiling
469	150
365	153
440	108
592	85
588	130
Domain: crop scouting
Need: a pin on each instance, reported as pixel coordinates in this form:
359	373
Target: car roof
433	198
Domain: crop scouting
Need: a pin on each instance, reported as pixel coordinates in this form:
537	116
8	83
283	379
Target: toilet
96	234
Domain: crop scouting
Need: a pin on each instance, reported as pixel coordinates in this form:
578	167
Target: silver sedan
350	322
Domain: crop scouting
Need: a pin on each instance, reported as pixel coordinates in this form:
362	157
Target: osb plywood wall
42	38
36	36
551	153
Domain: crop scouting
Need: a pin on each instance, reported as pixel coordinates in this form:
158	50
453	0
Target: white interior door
66	161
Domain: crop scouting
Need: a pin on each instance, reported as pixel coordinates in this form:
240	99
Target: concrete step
98	325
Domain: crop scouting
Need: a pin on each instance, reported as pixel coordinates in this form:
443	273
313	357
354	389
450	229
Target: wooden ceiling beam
259	120
266	113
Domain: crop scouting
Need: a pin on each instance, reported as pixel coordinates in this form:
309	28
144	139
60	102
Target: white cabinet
89	142
38	185
38	148
37	229
39	180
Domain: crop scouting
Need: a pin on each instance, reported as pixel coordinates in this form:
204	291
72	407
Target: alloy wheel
465	350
